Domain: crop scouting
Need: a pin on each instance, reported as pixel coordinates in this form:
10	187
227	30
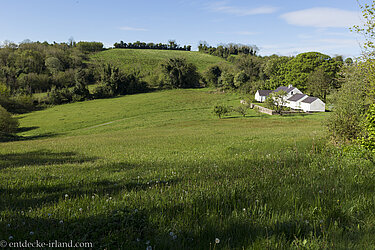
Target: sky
286	27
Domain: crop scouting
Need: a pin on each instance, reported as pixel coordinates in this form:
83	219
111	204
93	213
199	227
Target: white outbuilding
313	104
294	102
261	95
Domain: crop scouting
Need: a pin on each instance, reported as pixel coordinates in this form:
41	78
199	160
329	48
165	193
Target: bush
368	139
179	73
8	124
221	110
102	91
349	105
242	110
59	96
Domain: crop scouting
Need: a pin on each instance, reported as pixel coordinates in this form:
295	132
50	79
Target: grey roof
296	97
264	92
310	99
286	89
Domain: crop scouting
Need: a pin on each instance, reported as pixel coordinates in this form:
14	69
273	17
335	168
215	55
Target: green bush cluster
8	124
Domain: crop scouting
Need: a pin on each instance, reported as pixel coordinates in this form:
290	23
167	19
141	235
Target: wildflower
135	210
11	237
66	195
49	215
174	237
138	239
31	233
149	248
80	209
244	209
306	221
320	191
321	221
217	241
171	234
148	242
8	225
61	222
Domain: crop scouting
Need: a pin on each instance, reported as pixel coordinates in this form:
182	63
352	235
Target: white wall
297	104
259	98
315	106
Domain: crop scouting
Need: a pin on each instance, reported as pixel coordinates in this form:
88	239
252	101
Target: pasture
159	169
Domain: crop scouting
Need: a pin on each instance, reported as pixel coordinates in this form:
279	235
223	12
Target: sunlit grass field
147	60
160	170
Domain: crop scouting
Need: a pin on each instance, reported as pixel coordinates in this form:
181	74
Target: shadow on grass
11	138
41	157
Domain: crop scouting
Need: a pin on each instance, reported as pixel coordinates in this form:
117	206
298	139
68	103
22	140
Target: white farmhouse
261	95
294	102
313	104
290	90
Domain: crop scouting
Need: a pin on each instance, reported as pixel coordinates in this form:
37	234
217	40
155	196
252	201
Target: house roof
296	97
264	92
286	89
310	99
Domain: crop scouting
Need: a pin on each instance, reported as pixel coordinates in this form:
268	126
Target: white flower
11	237
80	209
66	195
138	239
61	222
31	233
244	209
217	241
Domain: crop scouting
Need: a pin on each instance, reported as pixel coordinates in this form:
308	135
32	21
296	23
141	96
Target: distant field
160	169
147	60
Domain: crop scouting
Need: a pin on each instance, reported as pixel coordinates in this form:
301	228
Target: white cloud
330	46
127	28
323	18
223	7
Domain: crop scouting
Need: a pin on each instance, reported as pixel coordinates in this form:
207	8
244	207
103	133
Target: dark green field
160	169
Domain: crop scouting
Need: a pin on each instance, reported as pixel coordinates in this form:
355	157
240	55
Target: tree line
226	50
172	45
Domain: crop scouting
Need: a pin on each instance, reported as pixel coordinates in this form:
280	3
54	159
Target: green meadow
160	170
146	61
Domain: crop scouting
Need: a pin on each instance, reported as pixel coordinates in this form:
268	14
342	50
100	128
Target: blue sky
285	27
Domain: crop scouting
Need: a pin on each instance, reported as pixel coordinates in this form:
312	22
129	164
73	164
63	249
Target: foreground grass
159	169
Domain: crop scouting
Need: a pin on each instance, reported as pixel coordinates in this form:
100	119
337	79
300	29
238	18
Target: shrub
221	110
179	73
8	124
59	96
102	91
349	105
242	110
368	139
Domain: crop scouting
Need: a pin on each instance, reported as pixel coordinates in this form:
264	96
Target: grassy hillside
159	169
147	60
